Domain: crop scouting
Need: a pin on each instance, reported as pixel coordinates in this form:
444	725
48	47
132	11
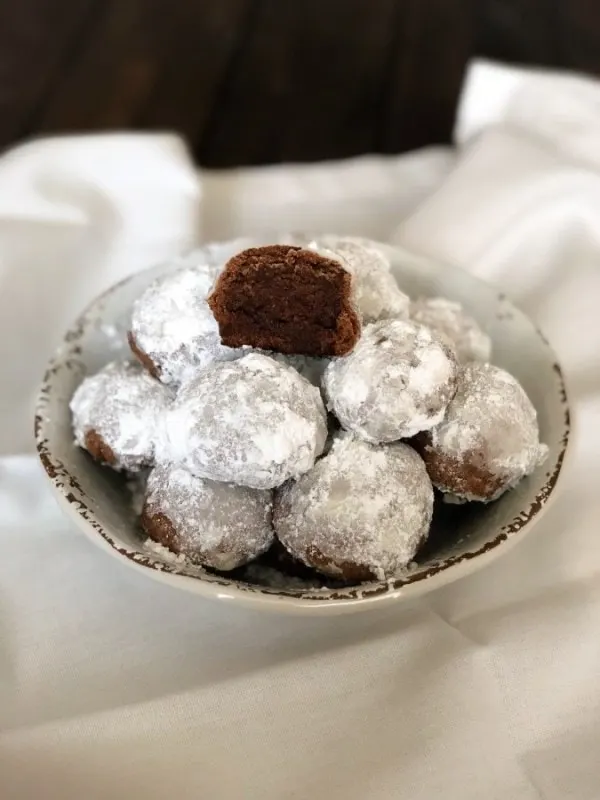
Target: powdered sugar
361	504
449	319
310	367
173	325
376	293
397	381
125	407
255	422
490	418
214	524
164	554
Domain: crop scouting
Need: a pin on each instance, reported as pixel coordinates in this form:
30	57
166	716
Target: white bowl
98	500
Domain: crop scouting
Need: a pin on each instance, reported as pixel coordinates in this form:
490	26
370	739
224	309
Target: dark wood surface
258	81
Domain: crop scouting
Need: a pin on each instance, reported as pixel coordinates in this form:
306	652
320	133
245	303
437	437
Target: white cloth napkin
112	686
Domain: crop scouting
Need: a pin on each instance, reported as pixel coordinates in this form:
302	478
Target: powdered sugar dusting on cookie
449	319
173	325
254	421
361	504
376	293
125	407
491	417
397	381
214	524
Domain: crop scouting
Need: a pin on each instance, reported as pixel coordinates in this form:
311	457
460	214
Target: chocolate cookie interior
286	299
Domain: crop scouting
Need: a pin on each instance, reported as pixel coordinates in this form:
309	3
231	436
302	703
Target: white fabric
112	686
77	214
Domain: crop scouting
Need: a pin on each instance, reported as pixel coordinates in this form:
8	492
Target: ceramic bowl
464	540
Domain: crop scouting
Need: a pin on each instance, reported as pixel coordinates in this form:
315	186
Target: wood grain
36	40
260	81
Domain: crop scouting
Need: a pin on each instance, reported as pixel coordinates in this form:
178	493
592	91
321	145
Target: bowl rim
72	500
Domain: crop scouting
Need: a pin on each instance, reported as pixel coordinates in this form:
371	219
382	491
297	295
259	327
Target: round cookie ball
117	413
376	293
360	513
449	319
214	524
489	438
397	381
254	422
173	332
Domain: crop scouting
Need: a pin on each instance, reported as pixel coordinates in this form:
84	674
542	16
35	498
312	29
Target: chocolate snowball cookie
361	513
173	332
213	524
489	439
449	319
397	381
116	415
254	422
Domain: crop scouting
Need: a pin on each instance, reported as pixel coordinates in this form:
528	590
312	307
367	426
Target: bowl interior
102	503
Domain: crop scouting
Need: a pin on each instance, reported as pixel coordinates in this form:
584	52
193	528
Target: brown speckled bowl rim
72	497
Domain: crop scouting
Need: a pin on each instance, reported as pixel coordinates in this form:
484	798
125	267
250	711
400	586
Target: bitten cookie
286	299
